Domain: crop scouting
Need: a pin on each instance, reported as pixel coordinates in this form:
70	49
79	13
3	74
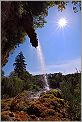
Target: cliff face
14	27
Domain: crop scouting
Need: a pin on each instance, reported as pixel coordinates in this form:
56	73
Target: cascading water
42	65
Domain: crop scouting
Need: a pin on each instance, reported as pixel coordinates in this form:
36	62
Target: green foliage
11	86
71	89
52	94
34	87
20	66
54	80
56	77
30	83
55	92
39	80
51	3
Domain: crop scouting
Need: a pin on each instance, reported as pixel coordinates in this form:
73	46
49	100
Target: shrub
71	89
11	86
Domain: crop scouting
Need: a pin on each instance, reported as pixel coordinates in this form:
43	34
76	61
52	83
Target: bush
11	86
71	89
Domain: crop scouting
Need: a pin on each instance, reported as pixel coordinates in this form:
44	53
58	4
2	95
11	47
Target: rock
5	104
13	116
10	24
20	102
52	93
21	116
5	115
49	107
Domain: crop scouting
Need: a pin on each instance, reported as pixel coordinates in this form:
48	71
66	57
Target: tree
71	91
20	66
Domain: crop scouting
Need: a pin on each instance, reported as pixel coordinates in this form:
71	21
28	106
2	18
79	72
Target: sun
62	22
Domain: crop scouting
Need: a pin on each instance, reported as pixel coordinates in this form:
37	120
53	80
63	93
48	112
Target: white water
42	66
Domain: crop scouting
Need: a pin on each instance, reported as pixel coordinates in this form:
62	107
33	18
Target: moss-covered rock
47	107
52	93
13	109
14	116
6	103
20	102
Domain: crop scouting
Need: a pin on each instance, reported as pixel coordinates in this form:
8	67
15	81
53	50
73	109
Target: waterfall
42	66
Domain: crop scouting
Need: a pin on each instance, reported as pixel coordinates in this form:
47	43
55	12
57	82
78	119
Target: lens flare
62	22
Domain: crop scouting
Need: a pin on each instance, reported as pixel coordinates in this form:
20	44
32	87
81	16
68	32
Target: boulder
20	102
49	107
14	116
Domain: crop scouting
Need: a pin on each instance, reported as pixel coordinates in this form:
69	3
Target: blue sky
60	47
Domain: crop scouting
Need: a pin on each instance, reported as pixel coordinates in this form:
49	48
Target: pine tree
20	66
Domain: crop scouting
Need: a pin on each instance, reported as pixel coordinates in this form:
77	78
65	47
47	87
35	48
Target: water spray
42	65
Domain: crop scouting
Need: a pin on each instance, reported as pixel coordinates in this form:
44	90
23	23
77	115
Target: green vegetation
11	86
71	89
18	80
20	66
52	93
17	85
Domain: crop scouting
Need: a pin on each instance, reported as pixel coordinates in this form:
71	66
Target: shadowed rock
12	26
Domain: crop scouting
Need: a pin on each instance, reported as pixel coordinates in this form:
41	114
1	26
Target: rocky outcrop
14	116
14	27
21	102
48	107
13	109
